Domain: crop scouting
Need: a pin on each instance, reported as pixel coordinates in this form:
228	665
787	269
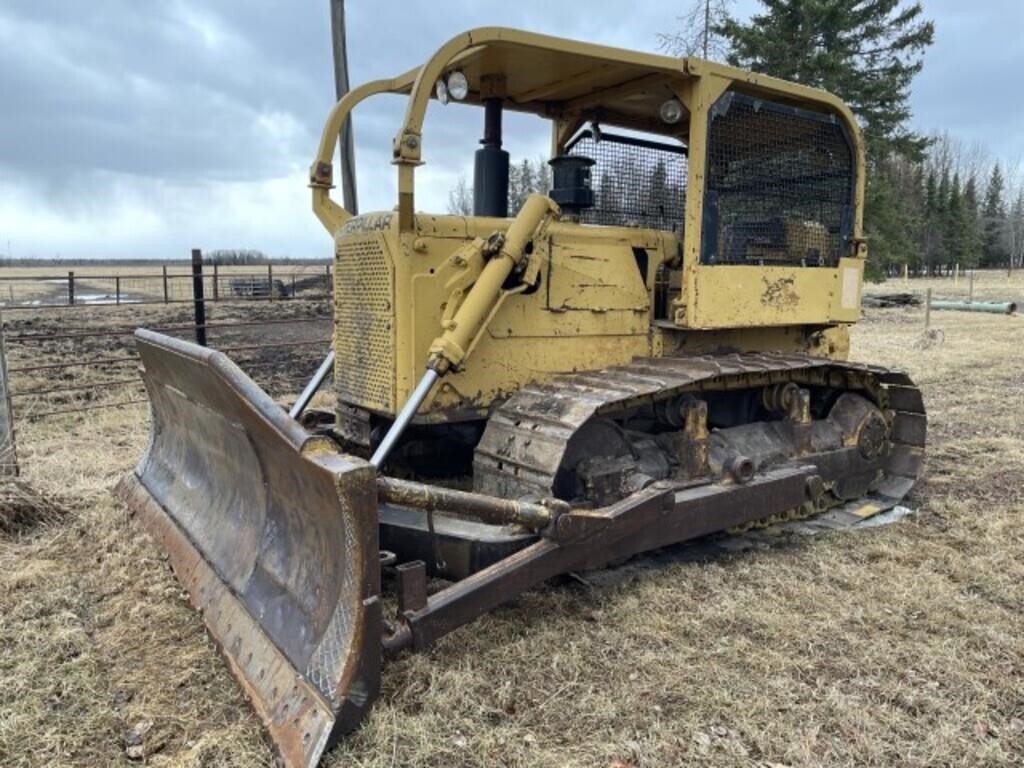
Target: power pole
707	25
348	155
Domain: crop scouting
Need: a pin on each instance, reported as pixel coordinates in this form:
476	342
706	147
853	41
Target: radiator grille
364	341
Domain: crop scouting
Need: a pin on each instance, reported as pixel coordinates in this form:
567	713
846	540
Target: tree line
951	207
524	178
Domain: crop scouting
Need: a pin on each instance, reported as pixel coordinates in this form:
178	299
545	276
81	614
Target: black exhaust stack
570	184
490	167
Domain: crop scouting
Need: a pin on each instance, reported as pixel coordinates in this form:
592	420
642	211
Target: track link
526	438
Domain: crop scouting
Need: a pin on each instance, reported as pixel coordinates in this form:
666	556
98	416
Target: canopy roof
555	77
568	81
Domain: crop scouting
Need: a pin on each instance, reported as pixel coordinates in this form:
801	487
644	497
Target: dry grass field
901	645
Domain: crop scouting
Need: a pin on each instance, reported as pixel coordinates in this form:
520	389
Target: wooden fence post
71	289
199	303
970	288
216	283
928	309
8	453
117	289
165	284
270	281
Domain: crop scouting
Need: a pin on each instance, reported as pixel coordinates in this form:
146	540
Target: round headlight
458	85
441	91
671	111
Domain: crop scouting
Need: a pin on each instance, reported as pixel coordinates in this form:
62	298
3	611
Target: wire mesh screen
636	182
780	185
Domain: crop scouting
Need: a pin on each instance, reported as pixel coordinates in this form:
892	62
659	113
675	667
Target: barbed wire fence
69	339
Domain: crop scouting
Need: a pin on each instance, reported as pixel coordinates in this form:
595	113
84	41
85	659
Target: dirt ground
901	645
278	343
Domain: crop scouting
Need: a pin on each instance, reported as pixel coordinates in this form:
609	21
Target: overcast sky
132	128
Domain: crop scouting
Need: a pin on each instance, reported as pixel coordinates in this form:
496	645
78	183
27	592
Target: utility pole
707	25
348	158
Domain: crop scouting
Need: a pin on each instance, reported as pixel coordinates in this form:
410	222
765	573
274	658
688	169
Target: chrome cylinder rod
404	417
314	385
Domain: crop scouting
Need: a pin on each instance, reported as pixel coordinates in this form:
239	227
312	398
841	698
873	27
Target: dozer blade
274	535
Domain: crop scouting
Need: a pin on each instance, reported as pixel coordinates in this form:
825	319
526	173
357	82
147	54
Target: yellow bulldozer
654	351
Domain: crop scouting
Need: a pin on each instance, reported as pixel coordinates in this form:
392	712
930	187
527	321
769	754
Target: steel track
527	436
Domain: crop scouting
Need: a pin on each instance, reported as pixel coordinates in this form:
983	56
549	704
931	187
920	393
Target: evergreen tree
972	225
865	51
954	234
1015	232
931	243
993	221
939	224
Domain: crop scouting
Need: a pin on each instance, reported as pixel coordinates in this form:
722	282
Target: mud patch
779	293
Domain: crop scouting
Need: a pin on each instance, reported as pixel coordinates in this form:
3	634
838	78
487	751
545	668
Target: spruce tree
993	215
953	225
1015	232
940	224
972	225
929	242
865	51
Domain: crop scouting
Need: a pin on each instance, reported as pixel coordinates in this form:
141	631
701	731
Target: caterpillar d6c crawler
654	351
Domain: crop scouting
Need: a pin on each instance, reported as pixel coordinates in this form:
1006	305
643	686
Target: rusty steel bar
25	337
184	264
489	509
275	346
233	299
78	387
52	366
123	360
118	404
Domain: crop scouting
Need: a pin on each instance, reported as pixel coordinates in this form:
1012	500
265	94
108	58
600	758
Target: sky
133	128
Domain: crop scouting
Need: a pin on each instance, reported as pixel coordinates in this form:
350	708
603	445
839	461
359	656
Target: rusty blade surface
274	535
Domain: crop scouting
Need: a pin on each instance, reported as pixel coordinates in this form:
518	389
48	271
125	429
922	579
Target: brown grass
890	646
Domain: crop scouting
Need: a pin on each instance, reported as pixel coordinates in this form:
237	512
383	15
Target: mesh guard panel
780	185
364	342
636	182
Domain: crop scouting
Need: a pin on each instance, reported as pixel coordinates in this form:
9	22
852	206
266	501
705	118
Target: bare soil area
901	645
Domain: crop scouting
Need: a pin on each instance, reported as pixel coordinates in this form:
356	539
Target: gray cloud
163	125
